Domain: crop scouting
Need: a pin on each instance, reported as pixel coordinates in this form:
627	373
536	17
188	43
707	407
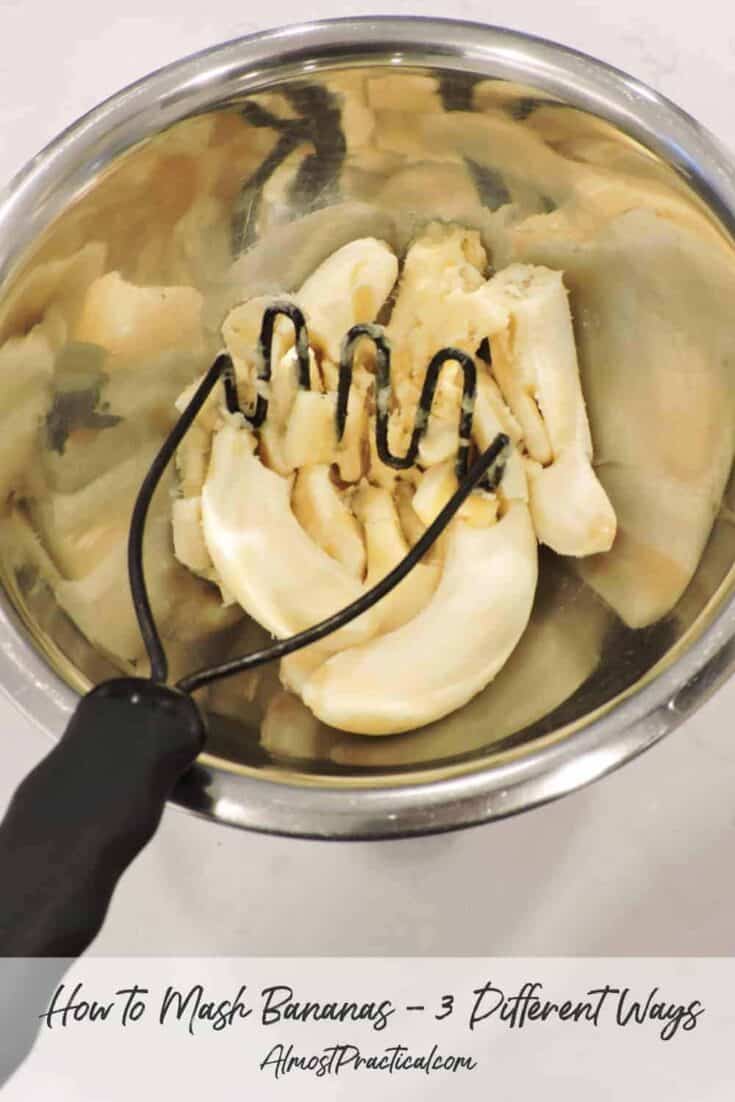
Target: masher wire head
383	385
486	470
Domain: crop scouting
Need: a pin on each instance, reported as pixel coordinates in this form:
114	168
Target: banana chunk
310	435
491	417
347	289
571	511
443	299
449	652
386	546
322	513
189	546
539	376
544	358
262	555
437	486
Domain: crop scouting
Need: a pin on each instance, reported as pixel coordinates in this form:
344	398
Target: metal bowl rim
635	723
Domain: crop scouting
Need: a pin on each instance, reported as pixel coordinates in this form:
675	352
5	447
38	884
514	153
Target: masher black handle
81	816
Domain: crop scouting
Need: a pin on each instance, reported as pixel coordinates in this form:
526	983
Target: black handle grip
81	816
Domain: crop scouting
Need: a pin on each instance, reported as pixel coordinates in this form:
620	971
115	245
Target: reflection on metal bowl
234	174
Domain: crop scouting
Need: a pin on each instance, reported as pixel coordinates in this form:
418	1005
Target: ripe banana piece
262	555
386	545
285	580
656	346
571	512
294	525
348	288
538	373
322	513
448	652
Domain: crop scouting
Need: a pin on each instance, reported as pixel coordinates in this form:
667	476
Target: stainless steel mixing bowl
242	167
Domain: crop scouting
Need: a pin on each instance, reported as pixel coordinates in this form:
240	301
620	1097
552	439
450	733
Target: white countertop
639	863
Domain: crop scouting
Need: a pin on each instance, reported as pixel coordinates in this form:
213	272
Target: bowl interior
246	197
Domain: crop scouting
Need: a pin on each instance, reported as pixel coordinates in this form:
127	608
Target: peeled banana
538	373
449	651
294	524
655	353
324	515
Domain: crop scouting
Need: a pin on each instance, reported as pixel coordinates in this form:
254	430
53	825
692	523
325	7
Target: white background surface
640	863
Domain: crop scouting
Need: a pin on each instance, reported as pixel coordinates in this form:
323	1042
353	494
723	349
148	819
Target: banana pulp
293	524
